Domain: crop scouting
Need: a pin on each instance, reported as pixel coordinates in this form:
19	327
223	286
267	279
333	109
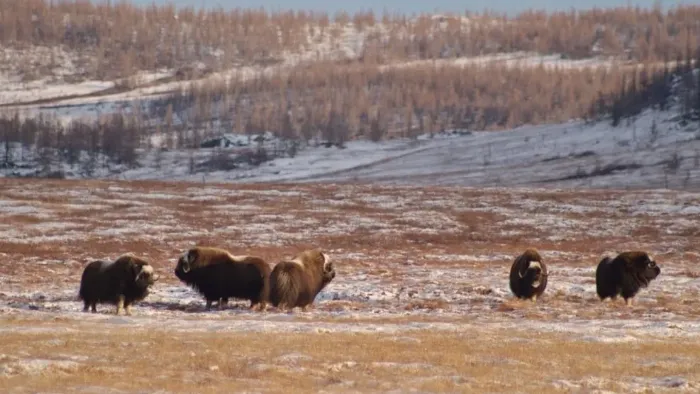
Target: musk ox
625	275
297	282
123	282
218	275
528	275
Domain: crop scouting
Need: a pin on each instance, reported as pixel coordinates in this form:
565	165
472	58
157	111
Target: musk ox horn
190	257
327	263
521	272
139	274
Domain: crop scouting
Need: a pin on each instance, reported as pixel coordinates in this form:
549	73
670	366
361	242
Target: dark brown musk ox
625	275
218	275
121	282
297	282
528	275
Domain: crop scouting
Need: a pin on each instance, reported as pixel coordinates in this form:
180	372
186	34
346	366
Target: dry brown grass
426	272
479	219
133	359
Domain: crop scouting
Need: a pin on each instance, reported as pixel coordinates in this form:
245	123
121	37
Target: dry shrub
691	273
512	305
24	219
427	304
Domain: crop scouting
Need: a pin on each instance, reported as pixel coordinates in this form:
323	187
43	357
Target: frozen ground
415	264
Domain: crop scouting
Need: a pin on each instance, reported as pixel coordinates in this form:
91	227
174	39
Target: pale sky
408	6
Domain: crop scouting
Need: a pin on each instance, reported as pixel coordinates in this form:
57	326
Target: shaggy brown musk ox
123	282
297	282
625	275
218	275
528	275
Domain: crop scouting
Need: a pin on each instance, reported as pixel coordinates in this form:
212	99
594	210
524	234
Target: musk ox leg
257	306
86	306
223	302
534	298
612	298
628	301
127	309
209	302
93	309
120	304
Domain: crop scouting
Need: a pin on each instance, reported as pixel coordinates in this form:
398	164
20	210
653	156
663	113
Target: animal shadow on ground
194	307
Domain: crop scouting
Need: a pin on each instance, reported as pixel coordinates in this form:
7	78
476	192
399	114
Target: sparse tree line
119	38
337	103
113	143
660	89
83	146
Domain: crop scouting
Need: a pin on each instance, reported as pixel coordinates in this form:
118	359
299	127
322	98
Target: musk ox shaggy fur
121	282
218	275
528	275
297	282
625	275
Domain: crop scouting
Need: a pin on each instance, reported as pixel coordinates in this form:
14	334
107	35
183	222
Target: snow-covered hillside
652	151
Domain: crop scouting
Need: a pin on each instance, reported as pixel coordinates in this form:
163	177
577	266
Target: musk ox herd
624	275
214	273
218	276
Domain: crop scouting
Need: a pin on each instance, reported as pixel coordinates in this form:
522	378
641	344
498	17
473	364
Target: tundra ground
421	300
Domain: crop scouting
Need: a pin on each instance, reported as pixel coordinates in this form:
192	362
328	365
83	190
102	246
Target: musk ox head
328	270
186	262
317	261
642	267
143	273
532	273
